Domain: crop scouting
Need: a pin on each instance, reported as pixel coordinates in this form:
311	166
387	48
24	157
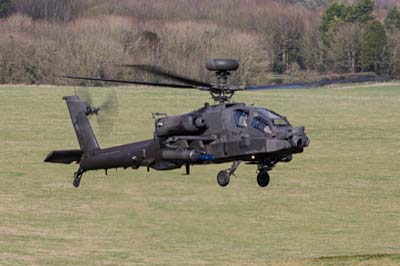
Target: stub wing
64	156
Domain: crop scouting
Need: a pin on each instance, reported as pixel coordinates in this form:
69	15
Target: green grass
338	203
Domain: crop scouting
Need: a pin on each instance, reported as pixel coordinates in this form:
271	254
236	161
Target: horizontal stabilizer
64	156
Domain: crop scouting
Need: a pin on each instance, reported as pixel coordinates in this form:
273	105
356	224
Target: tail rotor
105	113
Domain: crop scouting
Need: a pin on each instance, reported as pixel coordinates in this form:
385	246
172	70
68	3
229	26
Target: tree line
44	38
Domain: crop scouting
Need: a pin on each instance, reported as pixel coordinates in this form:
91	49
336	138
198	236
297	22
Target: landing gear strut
77	177
223	176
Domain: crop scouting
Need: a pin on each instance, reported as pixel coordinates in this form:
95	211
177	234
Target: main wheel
263	178
223	178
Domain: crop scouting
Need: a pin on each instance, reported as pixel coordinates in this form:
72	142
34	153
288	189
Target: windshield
260	124
276	119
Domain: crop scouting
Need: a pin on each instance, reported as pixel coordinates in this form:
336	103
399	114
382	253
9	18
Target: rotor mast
222	92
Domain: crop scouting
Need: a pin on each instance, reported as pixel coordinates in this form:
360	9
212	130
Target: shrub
54	10
6	8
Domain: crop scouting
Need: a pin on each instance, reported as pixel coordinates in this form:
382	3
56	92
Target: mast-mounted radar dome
222	65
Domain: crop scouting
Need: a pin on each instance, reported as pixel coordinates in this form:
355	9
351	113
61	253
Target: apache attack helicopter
219	133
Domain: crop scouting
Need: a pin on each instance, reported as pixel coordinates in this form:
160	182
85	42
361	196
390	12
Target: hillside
44	39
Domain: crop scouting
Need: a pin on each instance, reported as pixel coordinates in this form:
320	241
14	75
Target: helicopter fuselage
224	132
213	134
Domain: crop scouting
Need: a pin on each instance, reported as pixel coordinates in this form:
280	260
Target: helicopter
217	133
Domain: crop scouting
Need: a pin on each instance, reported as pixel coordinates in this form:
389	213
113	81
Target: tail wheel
223	178
77	177
77	181
263	178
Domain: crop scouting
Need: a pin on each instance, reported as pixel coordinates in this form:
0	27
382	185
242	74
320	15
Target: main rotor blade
179	86
303	85
167	74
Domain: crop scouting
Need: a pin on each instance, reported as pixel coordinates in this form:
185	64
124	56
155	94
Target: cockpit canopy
276	119
259	118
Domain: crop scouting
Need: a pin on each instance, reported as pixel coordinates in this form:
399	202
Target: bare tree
344	51
283	28
393	51
312	49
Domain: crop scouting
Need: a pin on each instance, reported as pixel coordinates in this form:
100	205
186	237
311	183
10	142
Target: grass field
338	203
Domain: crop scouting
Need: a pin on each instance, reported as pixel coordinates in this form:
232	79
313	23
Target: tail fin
79	111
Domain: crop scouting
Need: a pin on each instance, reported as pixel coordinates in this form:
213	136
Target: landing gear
263	178
77	177
224	176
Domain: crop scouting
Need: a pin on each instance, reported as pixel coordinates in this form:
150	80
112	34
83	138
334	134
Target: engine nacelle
179	125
